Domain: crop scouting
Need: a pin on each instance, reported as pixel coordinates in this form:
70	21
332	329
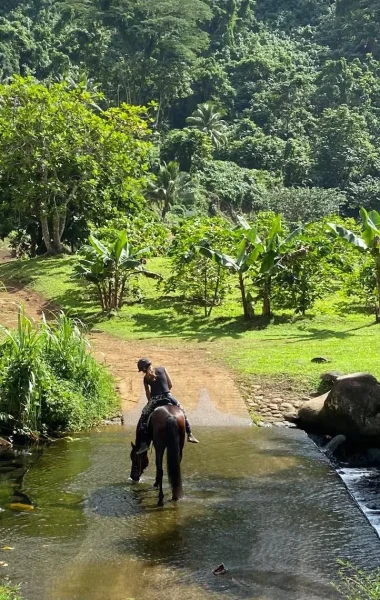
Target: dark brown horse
167	425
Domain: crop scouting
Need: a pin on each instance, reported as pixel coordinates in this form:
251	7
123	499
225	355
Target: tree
61	155
190	148
343	149
302	205
153	46
109	267
169	186
208	119
369	241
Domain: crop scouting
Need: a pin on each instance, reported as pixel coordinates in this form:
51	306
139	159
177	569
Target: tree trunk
244	297
213	302
266	298
165	209
205	294
57	244
101	296
46	234
377	263
122	290
33	240
62	223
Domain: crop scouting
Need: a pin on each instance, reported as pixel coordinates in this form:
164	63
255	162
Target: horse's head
139	463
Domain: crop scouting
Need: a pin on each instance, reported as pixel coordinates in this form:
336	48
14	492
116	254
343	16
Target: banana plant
267	254
369	241
109	266
246	254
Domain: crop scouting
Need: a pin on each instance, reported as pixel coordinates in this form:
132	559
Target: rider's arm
147	391
170	383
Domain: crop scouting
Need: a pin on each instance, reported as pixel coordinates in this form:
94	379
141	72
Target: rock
309	412
330	377
333	444
291	418
287	407
258	397
273	406
351	408
320	359
264	424
5	443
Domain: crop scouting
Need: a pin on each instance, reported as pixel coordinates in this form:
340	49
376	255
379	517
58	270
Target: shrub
49	381
193	276
143	231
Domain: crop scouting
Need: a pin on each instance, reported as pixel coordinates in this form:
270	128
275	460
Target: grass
8	592
279	348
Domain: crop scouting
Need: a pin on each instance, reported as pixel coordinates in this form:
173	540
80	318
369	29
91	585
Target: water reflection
264	502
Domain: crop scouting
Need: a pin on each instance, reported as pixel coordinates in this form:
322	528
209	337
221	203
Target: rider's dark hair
151	373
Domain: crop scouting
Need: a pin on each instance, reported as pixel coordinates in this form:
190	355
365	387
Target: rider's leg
190	437
143	438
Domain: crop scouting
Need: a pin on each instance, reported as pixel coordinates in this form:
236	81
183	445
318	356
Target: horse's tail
174	456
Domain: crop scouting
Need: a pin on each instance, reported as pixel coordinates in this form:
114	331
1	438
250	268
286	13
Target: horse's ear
133	446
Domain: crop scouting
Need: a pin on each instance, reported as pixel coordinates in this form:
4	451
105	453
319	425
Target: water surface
264	502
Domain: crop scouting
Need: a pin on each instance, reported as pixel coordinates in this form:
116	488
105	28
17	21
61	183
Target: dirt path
206	389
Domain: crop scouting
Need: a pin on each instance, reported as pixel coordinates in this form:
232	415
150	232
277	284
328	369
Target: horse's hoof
156	486
160	503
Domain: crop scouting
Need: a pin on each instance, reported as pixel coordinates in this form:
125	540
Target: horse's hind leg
159	477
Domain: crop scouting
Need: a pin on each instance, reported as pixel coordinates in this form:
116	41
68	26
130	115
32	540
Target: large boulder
309	411
351	408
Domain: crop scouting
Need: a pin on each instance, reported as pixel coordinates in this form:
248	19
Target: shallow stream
265	502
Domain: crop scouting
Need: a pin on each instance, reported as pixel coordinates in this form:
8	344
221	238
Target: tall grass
49	381
356	584
9	592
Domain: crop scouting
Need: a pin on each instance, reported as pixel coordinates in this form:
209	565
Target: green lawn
281	348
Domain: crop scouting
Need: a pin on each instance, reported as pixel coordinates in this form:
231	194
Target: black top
160	385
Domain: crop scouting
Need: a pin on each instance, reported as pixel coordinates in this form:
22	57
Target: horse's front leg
159	476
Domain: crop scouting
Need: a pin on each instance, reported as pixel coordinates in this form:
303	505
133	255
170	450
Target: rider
157	385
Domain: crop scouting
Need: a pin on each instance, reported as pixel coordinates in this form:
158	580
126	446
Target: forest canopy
249	100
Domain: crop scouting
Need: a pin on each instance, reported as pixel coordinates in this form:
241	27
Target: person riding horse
157	385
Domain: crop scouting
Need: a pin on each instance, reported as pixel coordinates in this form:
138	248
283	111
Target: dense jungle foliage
251	105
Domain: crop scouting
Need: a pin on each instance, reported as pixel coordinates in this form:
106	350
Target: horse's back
162	413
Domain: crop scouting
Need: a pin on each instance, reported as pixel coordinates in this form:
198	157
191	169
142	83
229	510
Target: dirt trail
206	389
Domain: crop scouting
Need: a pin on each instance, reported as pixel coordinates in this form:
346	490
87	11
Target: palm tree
169	185
208	119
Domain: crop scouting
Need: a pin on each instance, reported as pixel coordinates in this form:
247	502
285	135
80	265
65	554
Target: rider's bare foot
192	439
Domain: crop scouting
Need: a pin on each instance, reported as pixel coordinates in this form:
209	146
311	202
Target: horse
167	425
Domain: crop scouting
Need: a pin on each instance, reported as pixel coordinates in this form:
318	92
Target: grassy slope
283	348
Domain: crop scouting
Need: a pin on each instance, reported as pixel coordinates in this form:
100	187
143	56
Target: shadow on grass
165	316
168	317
